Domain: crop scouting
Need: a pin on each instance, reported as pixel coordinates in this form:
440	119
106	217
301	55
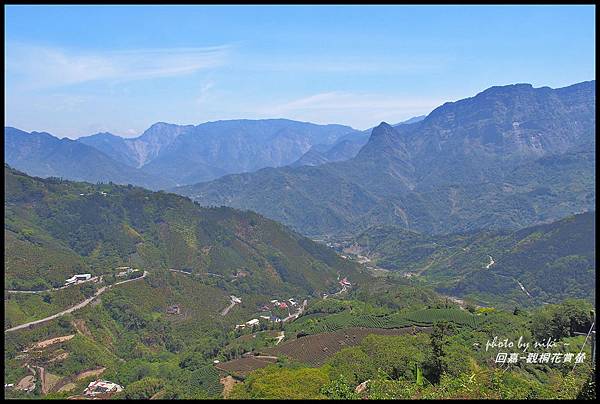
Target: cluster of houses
102	388
78	278
284	304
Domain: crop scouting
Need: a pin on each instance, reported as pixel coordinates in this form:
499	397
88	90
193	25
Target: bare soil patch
228	382
48	342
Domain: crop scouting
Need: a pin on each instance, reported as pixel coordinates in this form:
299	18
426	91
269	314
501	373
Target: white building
78	278
252	322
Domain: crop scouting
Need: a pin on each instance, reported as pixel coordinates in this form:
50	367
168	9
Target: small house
252	322
174	309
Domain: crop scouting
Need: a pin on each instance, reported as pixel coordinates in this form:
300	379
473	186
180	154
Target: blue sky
77	70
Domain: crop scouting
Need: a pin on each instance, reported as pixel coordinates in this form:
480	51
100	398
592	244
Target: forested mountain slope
55	228
509	157
530	266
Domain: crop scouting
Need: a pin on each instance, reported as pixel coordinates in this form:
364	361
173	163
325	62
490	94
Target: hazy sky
77	70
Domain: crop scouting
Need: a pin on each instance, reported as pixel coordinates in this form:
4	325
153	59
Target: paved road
76	307
233	303
295	315
181	272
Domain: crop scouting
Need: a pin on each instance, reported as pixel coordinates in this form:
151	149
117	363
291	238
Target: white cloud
369	64
204	91
39	67
358	110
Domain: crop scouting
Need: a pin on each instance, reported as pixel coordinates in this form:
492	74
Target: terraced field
241	367
424	317
208	377
315	349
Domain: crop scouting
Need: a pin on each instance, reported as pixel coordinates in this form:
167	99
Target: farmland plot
424	317
241	367
315	349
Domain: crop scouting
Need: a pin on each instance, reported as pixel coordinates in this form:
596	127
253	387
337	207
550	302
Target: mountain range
41	154
344	148
509	157
167	155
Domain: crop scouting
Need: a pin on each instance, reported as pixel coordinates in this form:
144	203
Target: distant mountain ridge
136	151
508	157
223	147
41	154
166	155
344	148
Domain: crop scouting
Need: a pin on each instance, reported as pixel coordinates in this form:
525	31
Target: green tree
142	389
438	343
339	389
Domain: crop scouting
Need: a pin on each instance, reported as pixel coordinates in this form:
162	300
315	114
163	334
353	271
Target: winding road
74	308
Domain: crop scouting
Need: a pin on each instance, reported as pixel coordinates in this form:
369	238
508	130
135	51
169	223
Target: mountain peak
385	143
159	125
382	126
